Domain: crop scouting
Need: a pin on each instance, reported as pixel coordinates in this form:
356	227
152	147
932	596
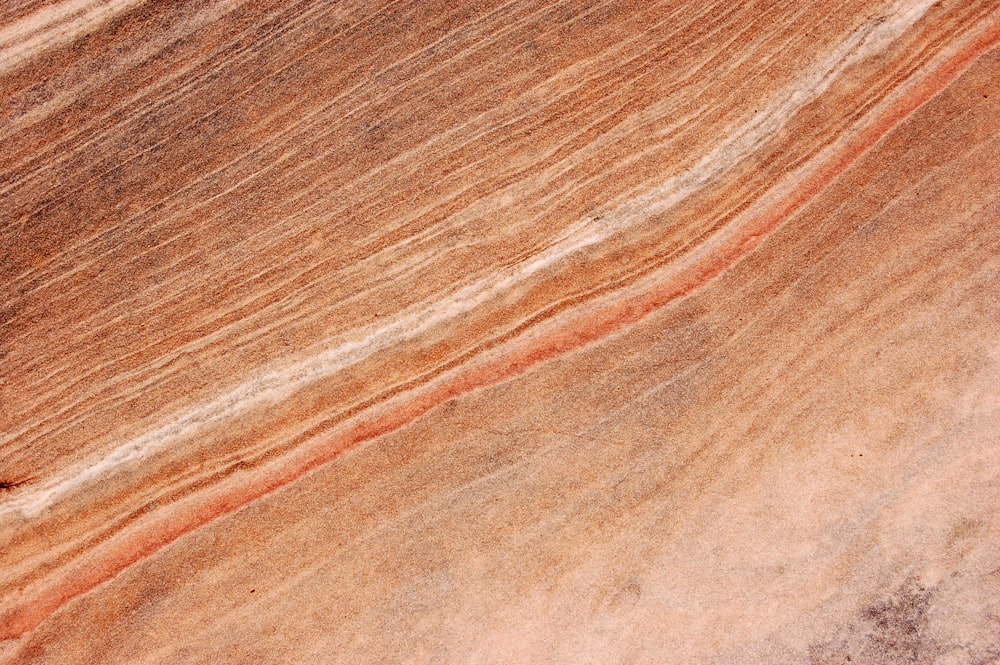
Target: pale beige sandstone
469	332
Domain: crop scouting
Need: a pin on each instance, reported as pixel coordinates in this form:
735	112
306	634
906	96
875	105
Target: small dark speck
252	590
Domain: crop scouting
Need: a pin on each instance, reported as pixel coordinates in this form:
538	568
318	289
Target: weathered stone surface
481	332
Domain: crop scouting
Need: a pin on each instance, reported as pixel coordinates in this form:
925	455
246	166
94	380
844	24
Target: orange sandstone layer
499	332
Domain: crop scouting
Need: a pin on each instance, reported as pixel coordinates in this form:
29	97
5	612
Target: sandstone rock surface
484	332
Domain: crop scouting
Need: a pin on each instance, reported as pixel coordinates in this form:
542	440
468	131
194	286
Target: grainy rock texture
484	332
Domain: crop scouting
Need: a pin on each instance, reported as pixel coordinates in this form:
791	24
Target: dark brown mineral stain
896	627
893	628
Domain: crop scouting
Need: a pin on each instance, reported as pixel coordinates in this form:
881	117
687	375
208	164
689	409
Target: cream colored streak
55	25
279	382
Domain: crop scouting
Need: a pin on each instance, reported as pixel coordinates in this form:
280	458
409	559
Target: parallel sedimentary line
298	128
53	26
126	549
44	167
315	115
125	114
418	319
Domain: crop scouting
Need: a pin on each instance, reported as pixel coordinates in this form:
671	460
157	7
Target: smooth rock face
482	332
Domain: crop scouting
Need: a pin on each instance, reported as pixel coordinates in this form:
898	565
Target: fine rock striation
659	332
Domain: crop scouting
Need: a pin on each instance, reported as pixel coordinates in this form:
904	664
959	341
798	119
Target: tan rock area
486	332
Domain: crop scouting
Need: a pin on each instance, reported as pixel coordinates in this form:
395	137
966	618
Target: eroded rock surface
482	332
